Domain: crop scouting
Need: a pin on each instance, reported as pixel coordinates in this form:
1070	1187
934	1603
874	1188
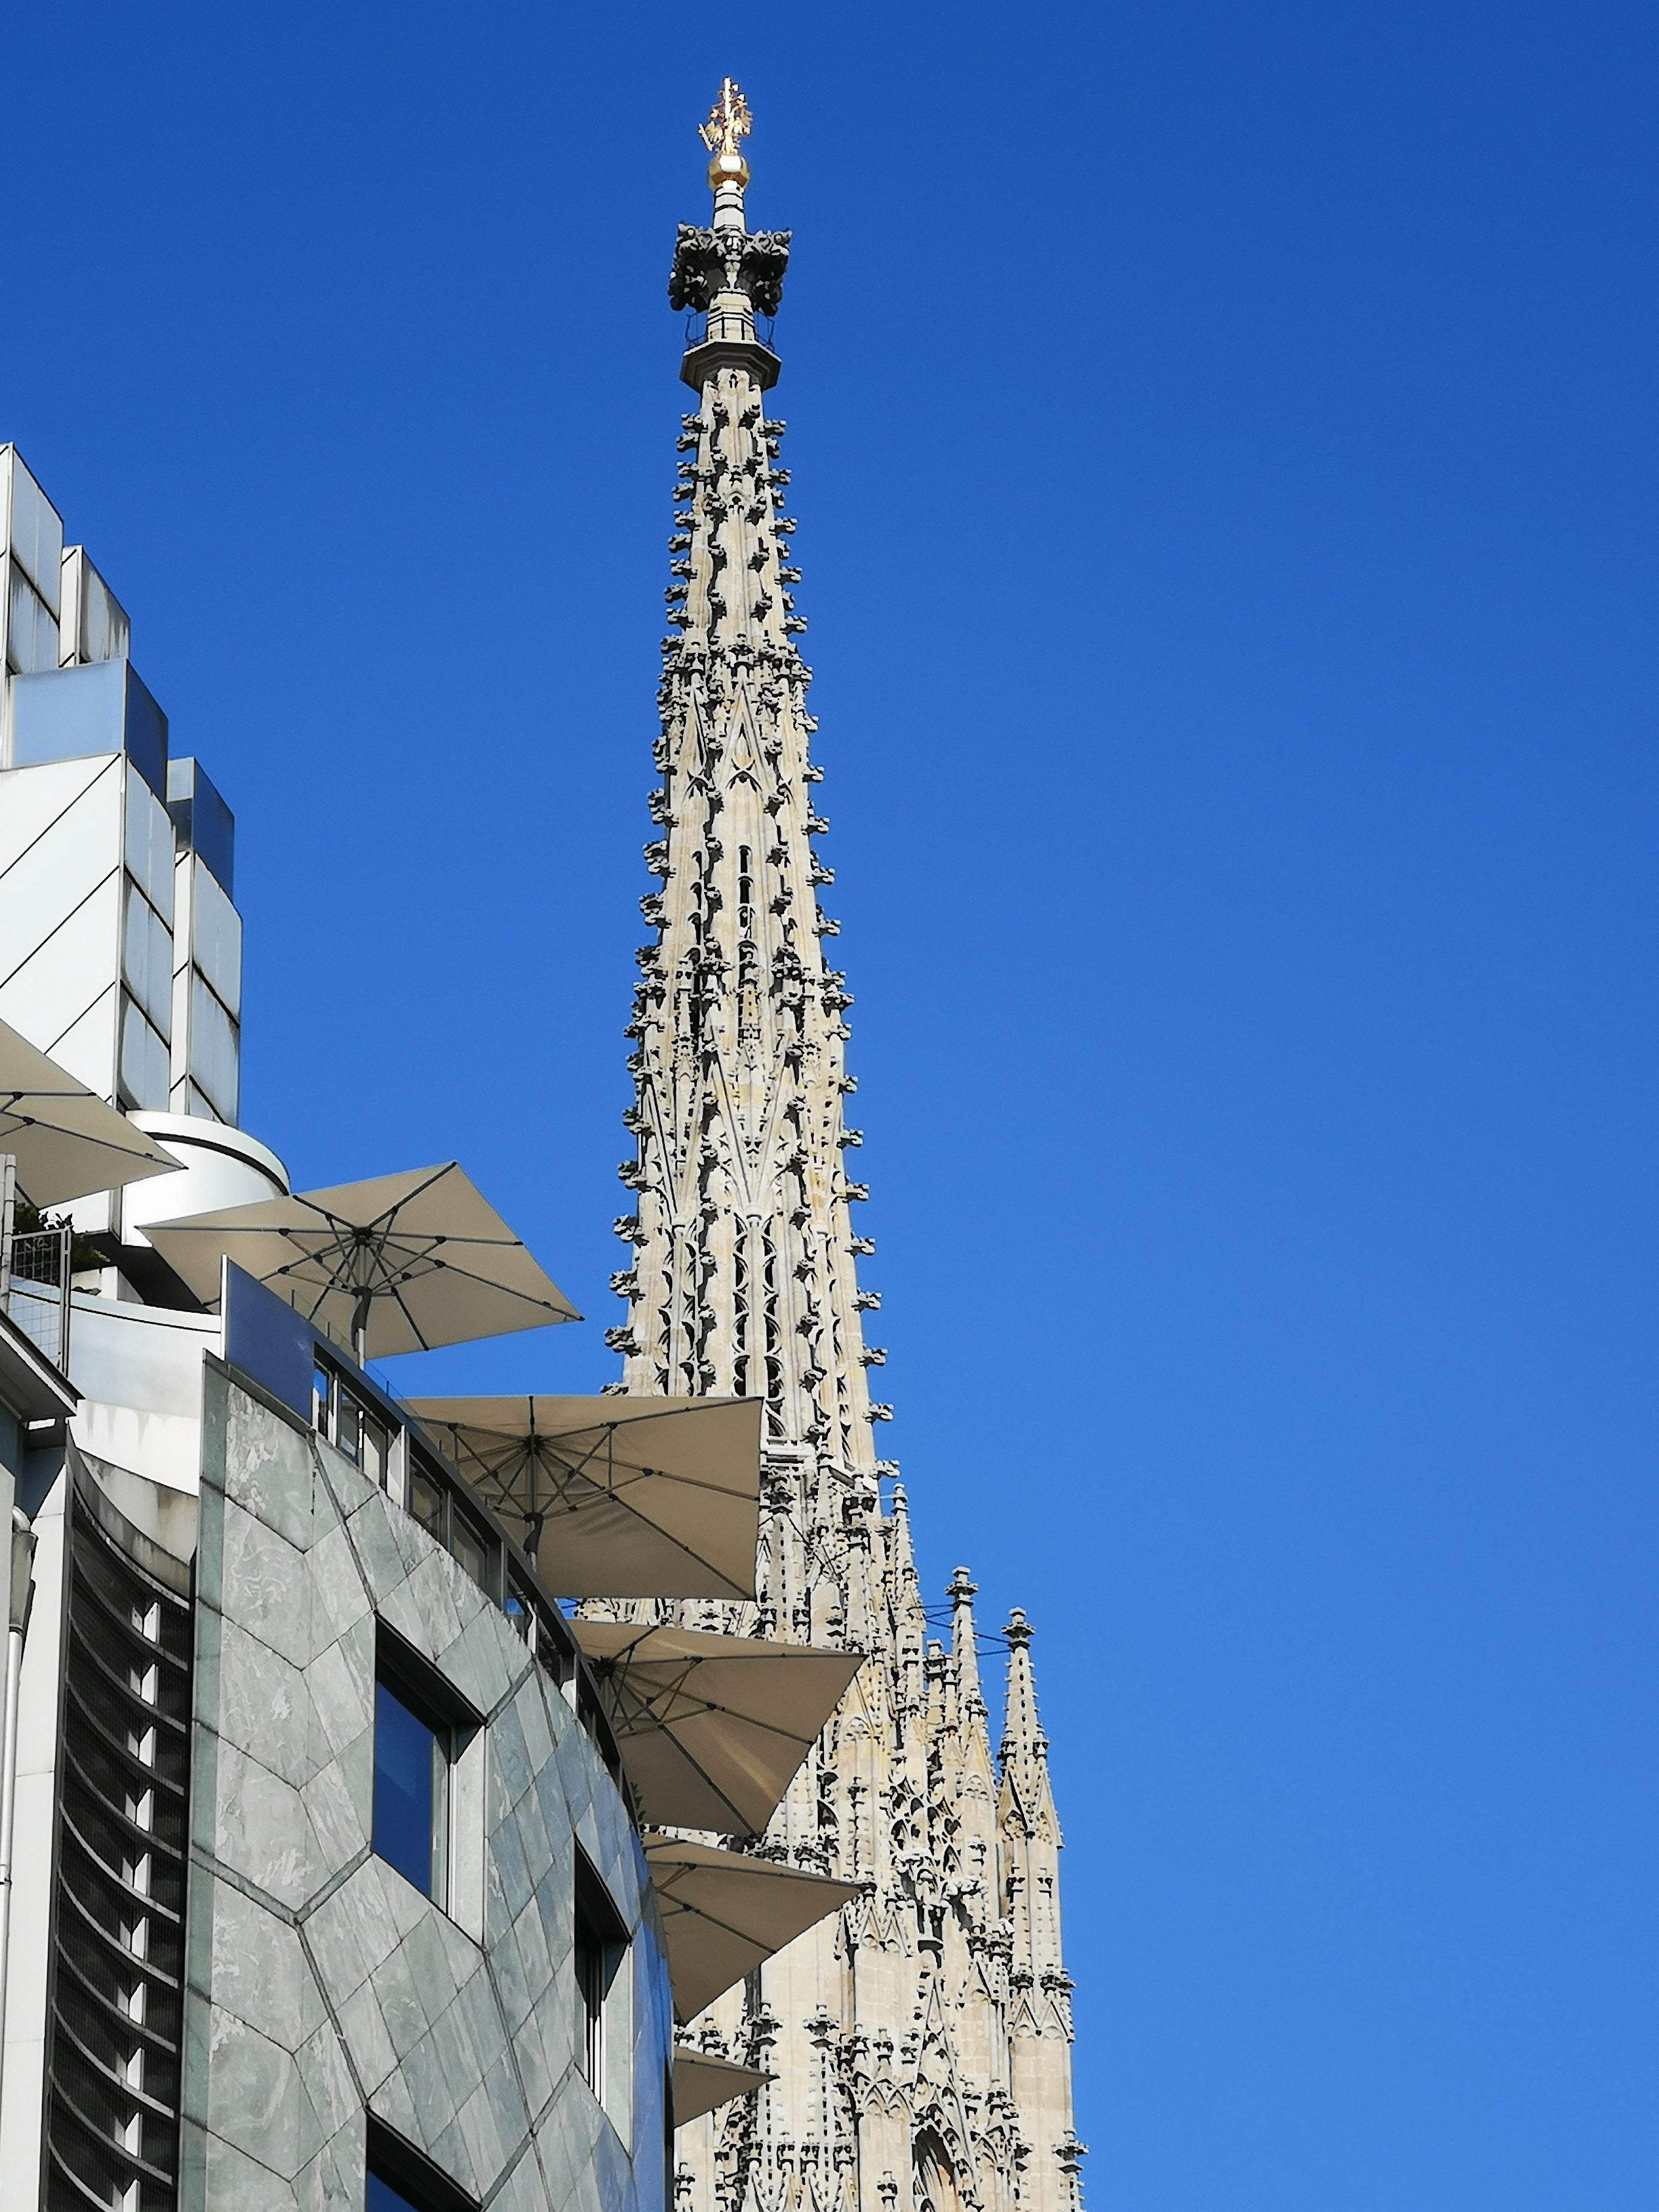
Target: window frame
600	1948
435	1704
397	2164
456	1522
351	1437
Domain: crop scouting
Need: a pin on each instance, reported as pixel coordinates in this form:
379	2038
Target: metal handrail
37	1290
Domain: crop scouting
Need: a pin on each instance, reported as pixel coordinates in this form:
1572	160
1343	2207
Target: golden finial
729	119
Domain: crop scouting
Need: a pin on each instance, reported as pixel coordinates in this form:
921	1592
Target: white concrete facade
120	946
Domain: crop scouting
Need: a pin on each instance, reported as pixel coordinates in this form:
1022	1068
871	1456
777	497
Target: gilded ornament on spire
729	120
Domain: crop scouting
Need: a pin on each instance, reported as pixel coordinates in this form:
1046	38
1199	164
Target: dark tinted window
426	1500
601	1944
379	2195
400	2178
471	1550
411	1795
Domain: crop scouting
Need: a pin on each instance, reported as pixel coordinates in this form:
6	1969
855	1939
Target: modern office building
120	949
326	1879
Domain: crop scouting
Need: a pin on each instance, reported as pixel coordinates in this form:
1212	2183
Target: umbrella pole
359	1327
8	1220
536	1518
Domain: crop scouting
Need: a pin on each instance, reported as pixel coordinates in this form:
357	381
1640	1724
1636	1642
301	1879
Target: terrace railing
37	1291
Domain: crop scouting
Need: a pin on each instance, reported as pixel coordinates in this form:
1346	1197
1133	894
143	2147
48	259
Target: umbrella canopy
701	2081
722	1913
711	1728
619	1497
402	1262
67	1141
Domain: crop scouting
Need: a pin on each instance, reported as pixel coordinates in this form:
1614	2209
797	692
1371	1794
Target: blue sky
1225	445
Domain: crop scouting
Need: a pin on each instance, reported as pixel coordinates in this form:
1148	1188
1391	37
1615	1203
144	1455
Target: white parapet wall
139	1372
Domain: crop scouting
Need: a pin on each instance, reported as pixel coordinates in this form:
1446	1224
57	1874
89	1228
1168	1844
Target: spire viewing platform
724	273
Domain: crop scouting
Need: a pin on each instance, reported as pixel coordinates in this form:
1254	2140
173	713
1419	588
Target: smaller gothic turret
1040	1989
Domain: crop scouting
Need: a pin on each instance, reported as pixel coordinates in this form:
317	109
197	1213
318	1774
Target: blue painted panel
268	1340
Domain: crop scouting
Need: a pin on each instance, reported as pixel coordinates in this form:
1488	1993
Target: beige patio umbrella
67	1141
723	1912
711	1728
400	1263
619	1497
701	2081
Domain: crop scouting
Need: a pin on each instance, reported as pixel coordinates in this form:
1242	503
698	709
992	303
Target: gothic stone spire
745	1279
888	2030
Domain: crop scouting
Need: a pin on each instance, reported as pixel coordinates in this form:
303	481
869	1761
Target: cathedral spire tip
729	120
729	276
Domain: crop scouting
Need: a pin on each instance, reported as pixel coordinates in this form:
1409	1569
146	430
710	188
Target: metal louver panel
117	2014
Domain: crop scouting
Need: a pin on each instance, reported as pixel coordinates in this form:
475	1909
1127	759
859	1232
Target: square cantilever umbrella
403	1261
723	1913
619	1497
712	1729
67	1141
702	2079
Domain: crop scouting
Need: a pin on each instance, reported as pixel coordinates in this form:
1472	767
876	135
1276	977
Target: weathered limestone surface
321	1984
922	2040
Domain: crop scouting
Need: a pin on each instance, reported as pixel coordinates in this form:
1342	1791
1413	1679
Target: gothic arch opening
935	2177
